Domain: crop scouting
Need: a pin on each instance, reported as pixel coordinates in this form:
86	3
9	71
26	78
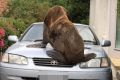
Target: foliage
35	10
21	13
78	10
27	11
11	27
118	9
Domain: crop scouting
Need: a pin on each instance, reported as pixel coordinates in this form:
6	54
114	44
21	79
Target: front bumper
7	73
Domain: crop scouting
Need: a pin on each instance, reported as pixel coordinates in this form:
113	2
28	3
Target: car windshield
35	33
86	33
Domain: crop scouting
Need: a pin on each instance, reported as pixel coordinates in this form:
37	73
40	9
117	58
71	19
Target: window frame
117	48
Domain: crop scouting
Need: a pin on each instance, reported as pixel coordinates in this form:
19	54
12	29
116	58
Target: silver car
20	62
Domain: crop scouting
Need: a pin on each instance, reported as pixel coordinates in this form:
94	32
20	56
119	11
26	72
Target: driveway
116	73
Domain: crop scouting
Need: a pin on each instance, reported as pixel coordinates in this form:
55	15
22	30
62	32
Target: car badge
54	62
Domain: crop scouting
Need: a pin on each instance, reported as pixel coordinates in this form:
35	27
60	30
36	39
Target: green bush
21	13
78	10
28	11
12	27
19	25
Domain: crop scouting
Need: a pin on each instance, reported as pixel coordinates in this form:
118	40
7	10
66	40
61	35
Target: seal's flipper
56	56
89	56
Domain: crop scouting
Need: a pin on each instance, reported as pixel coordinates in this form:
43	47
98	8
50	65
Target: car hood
20	48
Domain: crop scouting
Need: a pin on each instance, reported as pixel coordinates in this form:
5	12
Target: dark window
118	26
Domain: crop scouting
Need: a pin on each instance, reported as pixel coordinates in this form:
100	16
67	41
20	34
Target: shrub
27	11
11	27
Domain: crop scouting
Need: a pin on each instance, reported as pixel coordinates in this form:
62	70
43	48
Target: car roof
77	24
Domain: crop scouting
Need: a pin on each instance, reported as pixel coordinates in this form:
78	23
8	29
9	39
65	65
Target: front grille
29	78
83	79
48	62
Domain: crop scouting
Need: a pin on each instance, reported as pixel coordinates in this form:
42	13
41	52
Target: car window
34	33
86	33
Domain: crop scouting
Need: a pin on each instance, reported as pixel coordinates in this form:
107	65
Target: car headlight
95	63
14	59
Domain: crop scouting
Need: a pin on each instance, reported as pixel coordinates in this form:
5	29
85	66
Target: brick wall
3	6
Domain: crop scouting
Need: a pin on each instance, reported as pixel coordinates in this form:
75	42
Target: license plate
53	77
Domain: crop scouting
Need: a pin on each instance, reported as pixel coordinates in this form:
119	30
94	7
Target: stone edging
117	71
118	74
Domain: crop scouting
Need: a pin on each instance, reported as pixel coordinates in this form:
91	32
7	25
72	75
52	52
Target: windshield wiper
37	40
89	41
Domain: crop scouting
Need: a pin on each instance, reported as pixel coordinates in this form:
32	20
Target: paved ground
116	73
116	62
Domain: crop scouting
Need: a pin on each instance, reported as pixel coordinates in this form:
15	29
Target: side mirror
105	43
13	38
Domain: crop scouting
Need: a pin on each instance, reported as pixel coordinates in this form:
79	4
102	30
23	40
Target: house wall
114	52
103	18
99	17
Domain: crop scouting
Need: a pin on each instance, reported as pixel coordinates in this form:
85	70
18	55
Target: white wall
113	52
103	19
99	17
